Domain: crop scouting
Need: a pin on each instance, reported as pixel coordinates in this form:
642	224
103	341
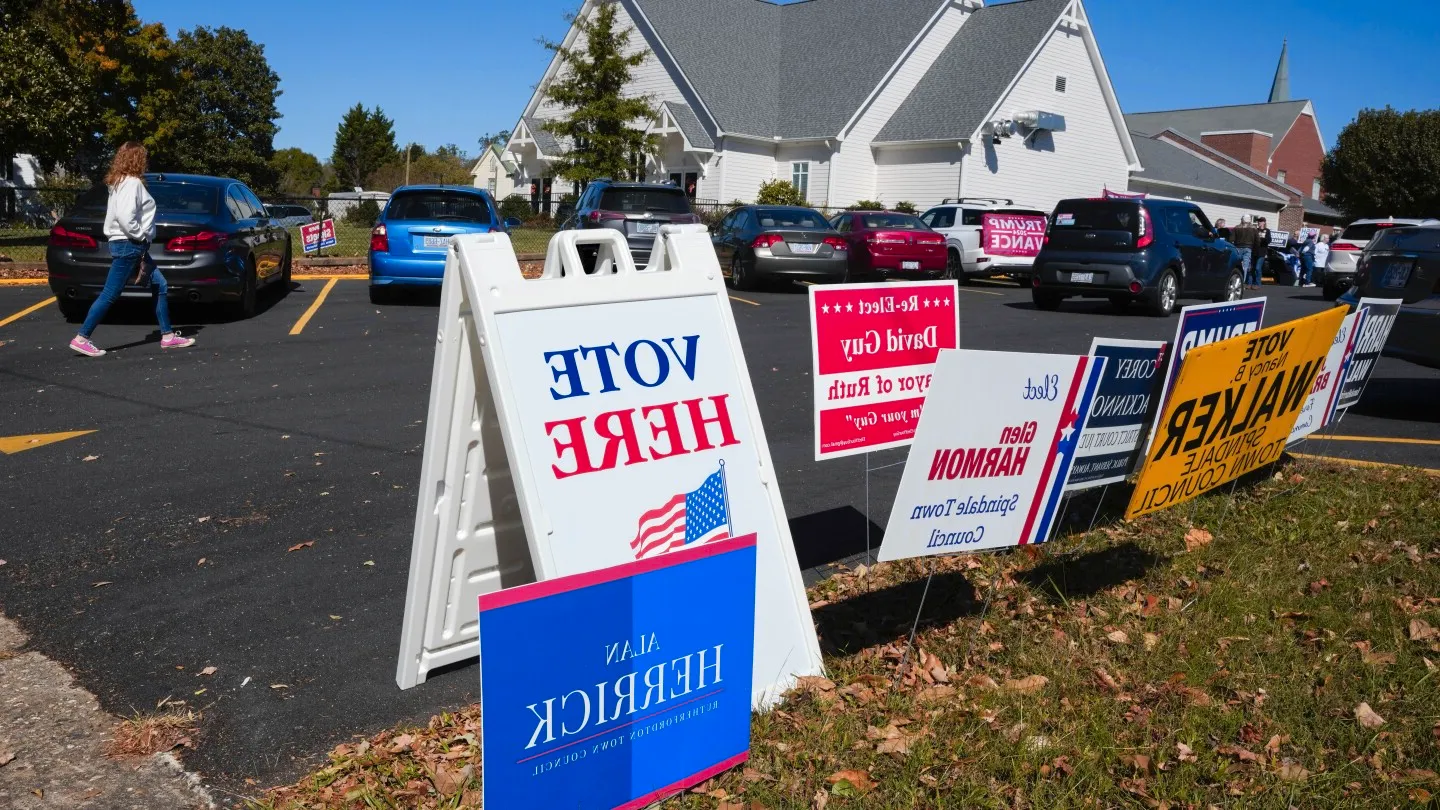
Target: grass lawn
28	244
1277	648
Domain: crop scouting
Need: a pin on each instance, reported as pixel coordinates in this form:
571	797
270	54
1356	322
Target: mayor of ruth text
597	439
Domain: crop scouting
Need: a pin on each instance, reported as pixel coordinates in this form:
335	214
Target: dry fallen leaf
1151	641
1027	685
1367	716
91	458
860	780
298	546
1184	753
1118	637
1420	630
207	671
1292	772
448	782
6	757
1197	538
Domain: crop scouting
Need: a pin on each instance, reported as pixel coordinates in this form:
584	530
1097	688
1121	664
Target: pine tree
598	125
364	141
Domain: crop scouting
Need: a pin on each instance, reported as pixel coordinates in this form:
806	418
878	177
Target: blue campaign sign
615	688
1203	324
1118	414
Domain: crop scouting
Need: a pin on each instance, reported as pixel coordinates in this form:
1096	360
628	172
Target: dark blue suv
1151	251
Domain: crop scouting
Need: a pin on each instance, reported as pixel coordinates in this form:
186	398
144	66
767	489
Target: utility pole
408	146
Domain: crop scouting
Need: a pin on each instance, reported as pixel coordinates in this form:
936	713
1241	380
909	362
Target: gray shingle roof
544	140
1273	118
689	124
1167	163
972	72
794	71
1317	207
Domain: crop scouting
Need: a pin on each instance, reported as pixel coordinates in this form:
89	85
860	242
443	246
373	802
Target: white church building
889	100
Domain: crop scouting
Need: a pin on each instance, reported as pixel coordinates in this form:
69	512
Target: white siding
650	78
1079	162
1215	206
744	167
489	168
854	166
819	158
922	176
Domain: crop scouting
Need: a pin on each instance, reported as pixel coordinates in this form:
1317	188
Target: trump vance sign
1232	409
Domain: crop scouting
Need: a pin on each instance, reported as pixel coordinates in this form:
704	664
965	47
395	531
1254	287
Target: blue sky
450	70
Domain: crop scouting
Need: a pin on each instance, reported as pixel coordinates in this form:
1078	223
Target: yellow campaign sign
1232	409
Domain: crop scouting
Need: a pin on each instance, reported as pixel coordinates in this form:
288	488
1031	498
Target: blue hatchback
408	244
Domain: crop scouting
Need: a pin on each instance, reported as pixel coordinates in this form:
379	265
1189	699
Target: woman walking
130	227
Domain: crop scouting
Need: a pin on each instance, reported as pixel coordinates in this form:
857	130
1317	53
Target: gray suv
636	210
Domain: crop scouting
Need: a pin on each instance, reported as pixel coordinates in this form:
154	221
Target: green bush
516	206
363	214
867	205
905	207
780	192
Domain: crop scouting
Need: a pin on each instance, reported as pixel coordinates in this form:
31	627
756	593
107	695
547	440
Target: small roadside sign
317	235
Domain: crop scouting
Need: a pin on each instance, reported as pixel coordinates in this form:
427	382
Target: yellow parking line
322	276
26	311
732	298
314	307
1359	463
1315	437
22	282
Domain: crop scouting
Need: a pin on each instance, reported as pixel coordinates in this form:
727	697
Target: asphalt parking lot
247	504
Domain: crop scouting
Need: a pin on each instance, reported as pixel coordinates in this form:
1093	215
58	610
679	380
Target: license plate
647	227
803	248
437	241
909	265
1082	278
1396	276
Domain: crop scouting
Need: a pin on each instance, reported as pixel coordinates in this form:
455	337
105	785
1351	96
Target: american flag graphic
689	518
1040	522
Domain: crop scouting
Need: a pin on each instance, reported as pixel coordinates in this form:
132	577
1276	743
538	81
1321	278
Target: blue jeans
1257	270
1308	263
1244	263
126	257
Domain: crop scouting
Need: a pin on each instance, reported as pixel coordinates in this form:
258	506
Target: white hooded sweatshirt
130	212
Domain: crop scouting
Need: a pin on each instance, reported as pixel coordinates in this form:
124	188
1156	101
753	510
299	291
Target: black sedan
214	242
757	243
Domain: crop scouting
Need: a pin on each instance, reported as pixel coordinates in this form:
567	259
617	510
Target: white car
1345	251
988	237
290	216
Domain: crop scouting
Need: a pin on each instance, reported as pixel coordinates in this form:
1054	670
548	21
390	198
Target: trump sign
993	478
599	419
645	686
873	349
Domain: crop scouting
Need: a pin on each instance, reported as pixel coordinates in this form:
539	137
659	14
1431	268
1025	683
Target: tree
296	172
42	107
224	108
490	139
1385	163
364	141
598	125
780	192
445	166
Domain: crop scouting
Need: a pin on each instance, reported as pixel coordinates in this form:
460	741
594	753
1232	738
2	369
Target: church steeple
1280	88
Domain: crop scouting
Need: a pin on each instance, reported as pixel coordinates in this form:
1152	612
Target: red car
887	243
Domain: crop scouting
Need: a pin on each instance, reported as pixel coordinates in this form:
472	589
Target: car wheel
954	268
1047	301
380	295
1234	288
1167	292
249	296
71	310
743	279
1121	303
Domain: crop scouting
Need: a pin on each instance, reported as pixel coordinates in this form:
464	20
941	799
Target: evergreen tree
598	125
296	172
1385	163
364	141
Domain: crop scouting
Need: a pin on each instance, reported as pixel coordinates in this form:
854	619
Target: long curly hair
130	160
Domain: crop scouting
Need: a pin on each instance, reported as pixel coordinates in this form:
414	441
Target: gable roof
1274	118
799	70
972	72
1168	163
689	124
545	141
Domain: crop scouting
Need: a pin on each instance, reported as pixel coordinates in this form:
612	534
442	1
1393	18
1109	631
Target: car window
971	216
257	208
182	198
236	205
642	200
439	206
790	218
1199	225
729	221
1095	215
939	218
744	222
1364	231
897	222
843	224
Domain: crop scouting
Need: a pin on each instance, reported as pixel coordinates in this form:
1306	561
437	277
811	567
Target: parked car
887	243
409	242
636	210
213	243
759	243
1151	251
290	216
988	237
1404	262
1346	249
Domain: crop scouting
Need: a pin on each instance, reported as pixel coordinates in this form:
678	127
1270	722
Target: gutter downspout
830	171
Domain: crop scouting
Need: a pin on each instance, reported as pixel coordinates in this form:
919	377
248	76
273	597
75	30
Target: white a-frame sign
580	421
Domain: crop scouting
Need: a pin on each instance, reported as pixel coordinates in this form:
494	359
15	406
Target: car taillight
837	243
66	238
929	239
380	239
886	239
1147	232
601	216
684	219
196	242
766	240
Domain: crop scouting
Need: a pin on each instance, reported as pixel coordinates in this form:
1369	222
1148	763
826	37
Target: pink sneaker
85	347
174	341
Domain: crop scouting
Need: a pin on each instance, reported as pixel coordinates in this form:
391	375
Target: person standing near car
1307	262
1260	247
1243	238
129	227
1322	257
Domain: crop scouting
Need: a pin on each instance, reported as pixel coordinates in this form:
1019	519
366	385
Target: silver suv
636	210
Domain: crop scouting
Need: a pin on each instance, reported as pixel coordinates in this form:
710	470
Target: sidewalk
52	734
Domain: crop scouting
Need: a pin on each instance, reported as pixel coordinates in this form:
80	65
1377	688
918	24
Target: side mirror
513	222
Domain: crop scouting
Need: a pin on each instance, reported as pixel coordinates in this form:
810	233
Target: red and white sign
317	235
1012	234
873	349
